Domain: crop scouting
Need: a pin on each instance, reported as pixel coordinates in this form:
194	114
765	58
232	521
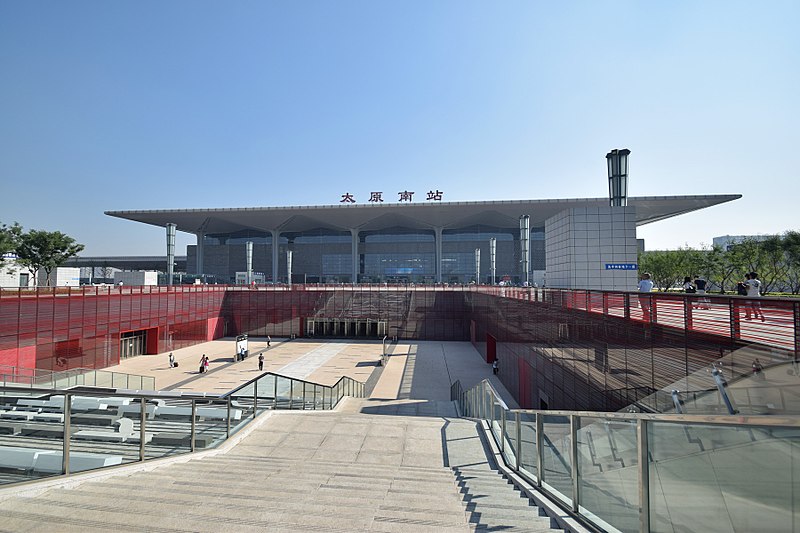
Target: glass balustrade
46	432
726	473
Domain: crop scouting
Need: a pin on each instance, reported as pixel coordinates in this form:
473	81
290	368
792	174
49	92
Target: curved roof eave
430	214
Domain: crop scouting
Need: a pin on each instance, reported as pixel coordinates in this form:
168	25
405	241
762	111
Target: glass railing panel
101	379
723	478
119	380
134	382
326	397
318	397
510	439
608	465
242	400
212	420
527	449
557	476
104	431
266	392
284	392
297	400
497	421
168	426
31	434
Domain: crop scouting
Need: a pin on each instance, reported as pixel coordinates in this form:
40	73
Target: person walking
206	364
753	285
495	368
171	360
203	364
269	340
645	286
260	362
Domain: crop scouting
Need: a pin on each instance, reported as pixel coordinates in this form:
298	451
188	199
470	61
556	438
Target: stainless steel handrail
473	404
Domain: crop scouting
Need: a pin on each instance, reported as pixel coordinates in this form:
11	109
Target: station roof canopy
427	215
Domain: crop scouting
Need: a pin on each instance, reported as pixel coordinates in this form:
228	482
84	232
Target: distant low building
726	241
14	275
136	278
61	277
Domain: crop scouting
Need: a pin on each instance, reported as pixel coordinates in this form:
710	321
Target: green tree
791	246
9	239
45	250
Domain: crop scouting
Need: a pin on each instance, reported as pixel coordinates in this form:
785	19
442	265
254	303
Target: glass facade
390	255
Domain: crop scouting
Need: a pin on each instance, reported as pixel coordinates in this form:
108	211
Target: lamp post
618	177
171	227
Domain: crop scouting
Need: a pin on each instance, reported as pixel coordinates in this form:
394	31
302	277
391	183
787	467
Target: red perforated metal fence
566	348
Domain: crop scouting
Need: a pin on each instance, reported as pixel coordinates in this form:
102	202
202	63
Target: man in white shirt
753	285
645	285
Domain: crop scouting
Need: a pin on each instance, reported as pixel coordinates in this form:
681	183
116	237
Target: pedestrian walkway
417	373
398	461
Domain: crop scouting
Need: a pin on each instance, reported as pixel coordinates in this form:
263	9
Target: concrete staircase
302	471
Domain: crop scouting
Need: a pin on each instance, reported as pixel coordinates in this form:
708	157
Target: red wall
61	328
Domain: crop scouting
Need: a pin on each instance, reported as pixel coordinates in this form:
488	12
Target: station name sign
622	266
403	196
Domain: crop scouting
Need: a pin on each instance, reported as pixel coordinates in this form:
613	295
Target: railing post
228	419
490	405
194	413
796	313
735	319
518	455
67	423
502	430
142	417
275	393
605	304
644	476
687	314
627	305
574	421
255	399
539	451
304	396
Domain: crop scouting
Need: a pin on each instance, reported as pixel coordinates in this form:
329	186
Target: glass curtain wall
397	255
318	256
458	254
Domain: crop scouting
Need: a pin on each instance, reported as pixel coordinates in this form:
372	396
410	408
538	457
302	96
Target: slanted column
200	252
437	232
354	234
275	242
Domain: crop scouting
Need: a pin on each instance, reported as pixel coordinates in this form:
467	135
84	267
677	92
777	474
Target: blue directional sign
622	266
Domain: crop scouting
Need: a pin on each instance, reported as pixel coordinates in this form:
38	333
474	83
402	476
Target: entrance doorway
132	343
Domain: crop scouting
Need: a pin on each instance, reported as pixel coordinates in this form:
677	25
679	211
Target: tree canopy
776	259
45	250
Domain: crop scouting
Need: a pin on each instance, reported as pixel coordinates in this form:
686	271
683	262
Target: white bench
215	413
79	403
16	415
50	461
123	433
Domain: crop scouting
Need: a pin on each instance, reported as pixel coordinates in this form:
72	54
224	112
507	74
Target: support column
275	242
438	242
355	256
201	252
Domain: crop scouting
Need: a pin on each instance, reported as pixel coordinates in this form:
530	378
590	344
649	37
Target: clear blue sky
188	104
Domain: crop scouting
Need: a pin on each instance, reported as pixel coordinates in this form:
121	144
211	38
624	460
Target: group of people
204	361
750	287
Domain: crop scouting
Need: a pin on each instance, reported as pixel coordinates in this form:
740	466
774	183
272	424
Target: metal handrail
344	386
473	405
266	374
